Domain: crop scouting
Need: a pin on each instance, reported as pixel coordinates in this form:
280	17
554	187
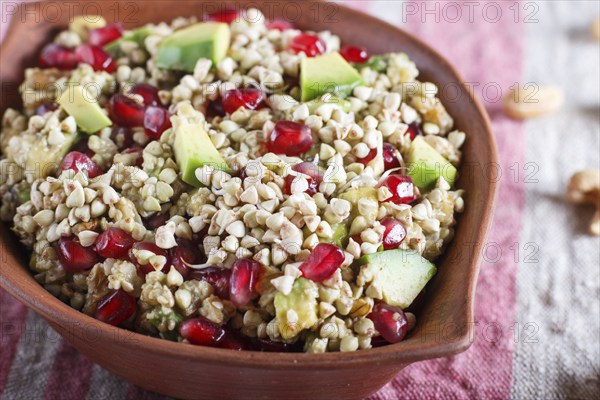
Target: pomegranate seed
156	220
290	138
413	130
389	156
277	347
147	268
402	189
116	307
215	109
315	178
355	54
217	277
103	36
122	136
74	257
202	332
184	252
244	276
250	98
156	121
55	56
390	322
322	263
77	162
95	56
311	45
234	340
368	158
148	92
43	108
227	16
126	112
280	24
114	243
394	233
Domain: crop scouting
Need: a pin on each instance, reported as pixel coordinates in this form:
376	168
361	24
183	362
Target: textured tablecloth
538	298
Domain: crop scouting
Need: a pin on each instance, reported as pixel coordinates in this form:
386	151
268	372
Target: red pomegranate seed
355	54
95	56
394	233
147	268
227	15
156	121
202	332
116	307
311	45
272	346
234	340
402	189
45	107
314	172
122	136
250	98
368	158
244	276
217	277
74	257
389	156
290	138
156	220
148	92
185	252
55	56
215	109
126	112
80	162
103	36
280	24
114	243
390	322
322	263
413	130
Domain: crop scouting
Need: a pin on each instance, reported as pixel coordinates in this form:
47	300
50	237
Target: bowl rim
37	298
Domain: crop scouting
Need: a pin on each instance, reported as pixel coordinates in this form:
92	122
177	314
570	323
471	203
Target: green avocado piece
426	165
340	235
353	195
303	300
85	109
401	274
43	160
137	35
182	49
377	63
329	73
313	105
193	149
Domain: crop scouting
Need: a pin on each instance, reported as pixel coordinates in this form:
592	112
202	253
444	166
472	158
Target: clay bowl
185	371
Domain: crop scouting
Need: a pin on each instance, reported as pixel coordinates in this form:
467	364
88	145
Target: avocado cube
401	274
194	149
426	165
185	47
303	301
84	108
43	159
138	36
329	73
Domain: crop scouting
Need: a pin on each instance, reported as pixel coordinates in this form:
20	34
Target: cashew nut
584	188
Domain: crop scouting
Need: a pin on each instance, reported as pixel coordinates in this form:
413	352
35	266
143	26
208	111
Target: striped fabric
537	309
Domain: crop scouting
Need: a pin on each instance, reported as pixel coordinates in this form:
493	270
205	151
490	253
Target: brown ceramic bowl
185	371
